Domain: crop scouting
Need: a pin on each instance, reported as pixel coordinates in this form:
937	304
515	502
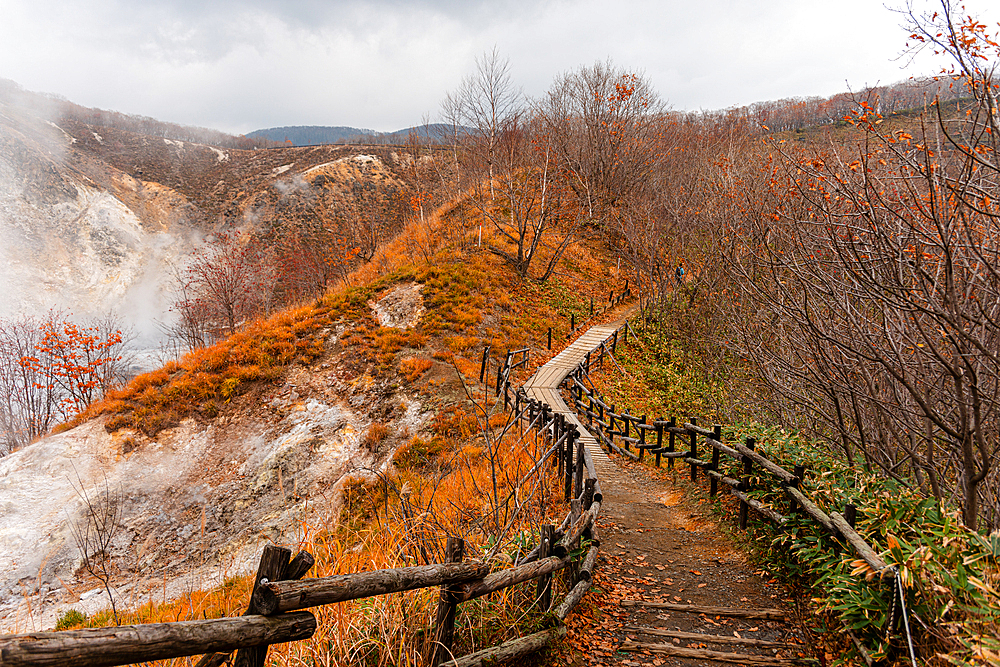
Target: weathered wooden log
724	448
730	612
693	451
810	508
735	483
667	454
535	553
767	464
444	625
543	590
274	562
714	484
515	648
512	575
717	656
698	463
866	552
127	644
565	545
710	639
572	599
295	570
708	433
282	596
623	452
758	507
590	560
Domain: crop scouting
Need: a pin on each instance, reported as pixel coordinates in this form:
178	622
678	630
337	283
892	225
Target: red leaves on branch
75	362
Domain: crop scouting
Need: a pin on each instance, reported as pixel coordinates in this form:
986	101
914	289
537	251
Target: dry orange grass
461	480
482	494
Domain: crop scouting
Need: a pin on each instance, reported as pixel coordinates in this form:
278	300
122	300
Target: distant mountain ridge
317	135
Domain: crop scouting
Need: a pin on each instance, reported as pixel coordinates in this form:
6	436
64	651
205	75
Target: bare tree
228	283
28	403
869	286
94	533
487	102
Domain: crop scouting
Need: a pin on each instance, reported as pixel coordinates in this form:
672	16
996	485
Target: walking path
671	589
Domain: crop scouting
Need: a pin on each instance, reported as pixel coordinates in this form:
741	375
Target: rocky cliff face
199	501
94	218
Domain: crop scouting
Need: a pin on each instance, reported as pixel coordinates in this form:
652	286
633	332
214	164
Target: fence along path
544	385
281	592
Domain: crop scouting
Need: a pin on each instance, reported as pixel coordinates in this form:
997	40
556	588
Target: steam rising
69	245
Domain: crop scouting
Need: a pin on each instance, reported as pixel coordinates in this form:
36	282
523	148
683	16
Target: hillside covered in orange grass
253	440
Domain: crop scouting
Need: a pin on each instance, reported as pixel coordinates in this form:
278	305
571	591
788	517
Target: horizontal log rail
282	596
274	614
513	575
127	644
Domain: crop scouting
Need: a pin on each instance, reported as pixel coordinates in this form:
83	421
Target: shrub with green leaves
950	574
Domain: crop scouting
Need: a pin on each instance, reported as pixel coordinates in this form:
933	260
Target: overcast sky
384	64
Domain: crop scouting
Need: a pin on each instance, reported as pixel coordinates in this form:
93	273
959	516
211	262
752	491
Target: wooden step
763	614
710	639
717	656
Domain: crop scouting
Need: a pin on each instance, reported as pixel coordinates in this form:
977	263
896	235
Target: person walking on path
680	274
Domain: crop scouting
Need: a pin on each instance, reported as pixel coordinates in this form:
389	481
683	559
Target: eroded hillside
95	217
250	441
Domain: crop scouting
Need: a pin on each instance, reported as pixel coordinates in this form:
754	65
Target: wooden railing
702	449
280	594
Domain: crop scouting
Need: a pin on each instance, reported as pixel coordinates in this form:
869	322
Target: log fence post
560	453
611	425
850	514
550	338
572	323
614	342
588	492
693	450
659	439
444	624
670	444
568	465
273	563
482	367
717	436
543	590
580	466
745	482
626	422
800	475
642	437
573	571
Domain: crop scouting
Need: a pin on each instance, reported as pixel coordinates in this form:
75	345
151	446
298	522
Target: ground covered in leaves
661	543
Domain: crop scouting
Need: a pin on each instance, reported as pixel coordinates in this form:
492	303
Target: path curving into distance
544	386
677	592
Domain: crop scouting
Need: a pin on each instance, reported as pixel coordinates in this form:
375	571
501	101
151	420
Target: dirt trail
660	545
661	549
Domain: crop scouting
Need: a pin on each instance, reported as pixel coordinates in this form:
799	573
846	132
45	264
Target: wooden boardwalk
544	386
665	572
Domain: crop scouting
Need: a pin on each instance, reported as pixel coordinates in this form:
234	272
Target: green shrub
70	618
